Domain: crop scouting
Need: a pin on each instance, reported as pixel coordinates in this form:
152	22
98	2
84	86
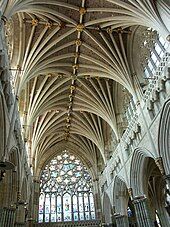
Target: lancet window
65	191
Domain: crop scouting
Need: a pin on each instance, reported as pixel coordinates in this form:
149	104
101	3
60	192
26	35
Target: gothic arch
138	163
164	136
107	208
10	184
146	180
66	189
55	150
2	125
120	196
15	175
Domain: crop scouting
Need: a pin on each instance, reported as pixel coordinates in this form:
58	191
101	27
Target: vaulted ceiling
73	64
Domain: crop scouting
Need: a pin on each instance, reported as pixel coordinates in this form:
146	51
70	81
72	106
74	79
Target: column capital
11	208
138	199
118	215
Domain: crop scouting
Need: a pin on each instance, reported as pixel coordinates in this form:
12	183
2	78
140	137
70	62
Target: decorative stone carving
76	55
82	10
9	31
34	22
145	40
159	163
76	66
78	42
49	24
109	30
80	27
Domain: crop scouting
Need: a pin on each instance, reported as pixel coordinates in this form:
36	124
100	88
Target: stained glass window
65	191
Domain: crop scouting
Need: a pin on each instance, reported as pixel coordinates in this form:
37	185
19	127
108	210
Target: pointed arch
2	125
120	196
164	136
107	208
138	163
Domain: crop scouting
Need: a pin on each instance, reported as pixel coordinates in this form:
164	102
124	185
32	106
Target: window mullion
89	205
156	54
78	202
44	208
153	63
72	213
62	213
65	171
56	206
50	208
150	72
161	46
83	206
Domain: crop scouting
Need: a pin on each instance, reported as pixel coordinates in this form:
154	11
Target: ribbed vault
68	58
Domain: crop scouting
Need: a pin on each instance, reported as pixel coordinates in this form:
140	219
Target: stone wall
138	143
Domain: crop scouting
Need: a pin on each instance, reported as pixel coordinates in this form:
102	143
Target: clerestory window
156	55
65	191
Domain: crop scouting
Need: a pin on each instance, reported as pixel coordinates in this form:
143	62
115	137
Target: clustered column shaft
121	220
7	217
143	214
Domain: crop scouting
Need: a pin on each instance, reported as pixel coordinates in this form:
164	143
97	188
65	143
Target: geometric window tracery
156	54
65	191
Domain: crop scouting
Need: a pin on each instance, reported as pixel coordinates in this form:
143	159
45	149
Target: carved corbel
155	96
150	105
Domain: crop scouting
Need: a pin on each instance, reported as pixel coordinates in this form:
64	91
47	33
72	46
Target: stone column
20	224
143	214
97	200
20	216
121	220
7	217
33	204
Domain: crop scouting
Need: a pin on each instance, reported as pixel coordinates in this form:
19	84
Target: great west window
65	191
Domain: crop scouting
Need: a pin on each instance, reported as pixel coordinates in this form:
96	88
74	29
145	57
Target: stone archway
2	125
120	201
147	186
164	138
107	210
9	190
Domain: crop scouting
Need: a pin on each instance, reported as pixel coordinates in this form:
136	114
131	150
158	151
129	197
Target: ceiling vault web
75	70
